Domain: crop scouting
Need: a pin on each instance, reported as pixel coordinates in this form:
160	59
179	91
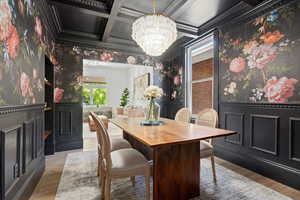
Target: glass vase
153	111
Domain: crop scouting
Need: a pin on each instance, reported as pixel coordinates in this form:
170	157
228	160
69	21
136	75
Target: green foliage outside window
93	95
86	94
99	96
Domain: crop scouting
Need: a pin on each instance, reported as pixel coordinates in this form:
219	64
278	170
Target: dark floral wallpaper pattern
69	62
23	45
259	60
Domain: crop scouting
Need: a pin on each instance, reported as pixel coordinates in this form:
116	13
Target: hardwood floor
46	189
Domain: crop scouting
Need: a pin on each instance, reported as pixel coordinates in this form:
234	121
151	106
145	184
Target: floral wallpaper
23	44
69	62
259	60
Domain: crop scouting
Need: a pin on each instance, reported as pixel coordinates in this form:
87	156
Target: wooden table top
172	132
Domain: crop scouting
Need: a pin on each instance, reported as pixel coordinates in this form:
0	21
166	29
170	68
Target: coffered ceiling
107	23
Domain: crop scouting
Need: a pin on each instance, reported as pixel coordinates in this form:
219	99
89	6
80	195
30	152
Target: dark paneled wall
21	150
68	126
266	141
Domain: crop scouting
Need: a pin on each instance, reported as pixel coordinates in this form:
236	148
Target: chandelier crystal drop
154	33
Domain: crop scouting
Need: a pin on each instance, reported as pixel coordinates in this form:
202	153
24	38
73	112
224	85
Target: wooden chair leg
147	180
102	184
107	188
132	178
98	170
213	167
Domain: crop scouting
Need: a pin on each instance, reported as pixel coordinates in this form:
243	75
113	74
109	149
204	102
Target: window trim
189	65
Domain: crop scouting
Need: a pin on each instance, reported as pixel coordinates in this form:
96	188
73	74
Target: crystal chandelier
154	33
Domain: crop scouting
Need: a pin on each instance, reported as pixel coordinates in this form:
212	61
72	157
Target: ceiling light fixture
154	33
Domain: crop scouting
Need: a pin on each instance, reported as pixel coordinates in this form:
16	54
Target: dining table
174	147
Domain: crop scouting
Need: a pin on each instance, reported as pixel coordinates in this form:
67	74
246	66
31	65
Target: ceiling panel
77	21
201	11
122	30
146	6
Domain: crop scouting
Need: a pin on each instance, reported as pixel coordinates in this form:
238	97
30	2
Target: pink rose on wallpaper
58	94
237	64
13	42
5	20
177	80
106	57
25	85
38	27
279	90
262	55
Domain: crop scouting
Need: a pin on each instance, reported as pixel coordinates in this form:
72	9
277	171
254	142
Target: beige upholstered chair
116	143
208	117
183	115
120	164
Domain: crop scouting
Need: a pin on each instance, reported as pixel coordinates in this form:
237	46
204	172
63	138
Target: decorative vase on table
153	109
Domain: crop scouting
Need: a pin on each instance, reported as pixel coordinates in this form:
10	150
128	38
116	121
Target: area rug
79	182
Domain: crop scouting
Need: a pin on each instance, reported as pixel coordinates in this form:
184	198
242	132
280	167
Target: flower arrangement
153	110
153	92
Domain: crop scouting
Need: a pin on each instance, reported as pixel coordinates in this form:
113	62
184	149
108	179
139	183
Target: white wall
118	77
134	72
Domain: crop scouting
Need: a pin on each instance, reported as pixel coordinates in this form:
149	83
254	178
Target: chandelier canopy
154	33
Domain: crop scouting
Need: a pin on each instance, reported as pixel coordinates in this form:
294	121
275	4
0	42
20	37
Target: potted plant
123	101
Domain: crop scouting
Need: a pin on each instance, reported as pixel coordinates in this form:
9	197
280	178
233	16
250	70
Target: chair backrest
208	117
92	118
105	147
183	115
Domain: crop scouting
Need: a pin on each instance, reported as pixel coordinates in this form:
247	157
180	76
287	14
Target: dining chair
116	143
121	163
208	117
183	115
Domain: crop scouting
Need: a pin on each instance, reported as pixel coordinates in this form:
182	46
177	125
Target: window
202	80
94	94
199	70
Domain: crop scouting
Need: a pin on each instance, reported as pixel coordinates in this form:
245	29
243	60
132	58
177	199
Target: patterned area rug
79	182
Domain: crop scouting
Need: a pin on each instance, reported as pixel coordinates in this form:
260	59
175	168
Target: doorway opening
200	73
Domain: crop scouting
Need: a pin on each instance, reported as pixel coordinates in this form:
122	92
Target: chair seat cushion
119	143
128	160
206	149
205	146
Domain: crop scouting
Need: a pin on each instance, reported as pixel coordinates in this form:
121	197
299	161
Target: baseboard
69	145
276	171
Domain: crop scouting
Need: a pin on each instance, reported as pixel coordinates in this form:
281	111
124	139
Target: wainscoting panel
22	150
68	126
269	141
294	137
235	122
29	143
12	155
264	133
